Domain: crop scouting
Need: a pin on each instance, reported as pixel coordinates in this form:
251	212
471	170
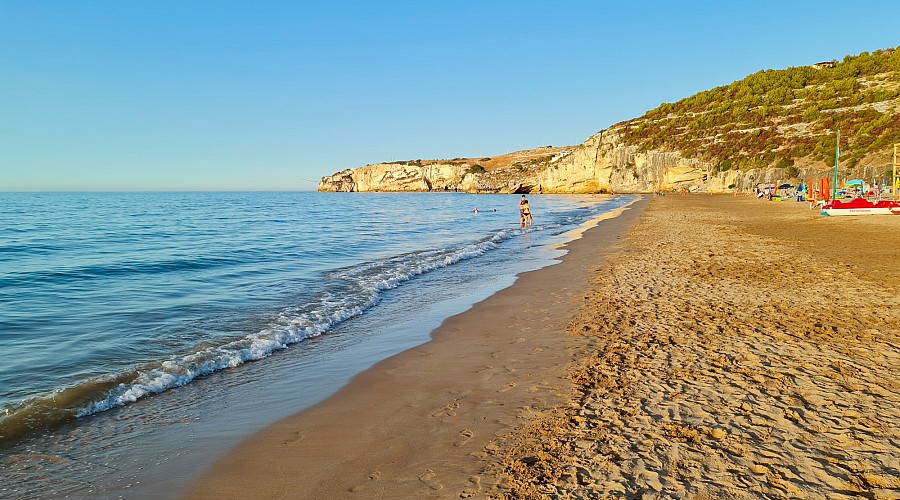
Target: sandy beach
693	347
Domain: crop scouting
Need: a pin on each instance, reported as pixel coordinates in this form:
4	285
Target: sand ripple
737	349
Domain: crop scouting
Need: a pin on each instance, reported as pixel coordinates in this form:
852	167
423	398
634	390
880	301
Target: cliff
772	126
602	164
517	172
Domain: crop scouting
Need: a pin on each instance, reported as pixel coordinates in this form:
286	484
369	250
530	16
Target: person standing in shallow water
522	203
526	214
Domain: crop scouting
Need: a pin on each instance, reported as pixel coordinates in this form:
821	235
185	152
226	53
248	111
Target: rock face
774	126
602	164
396	177
599	165
411	176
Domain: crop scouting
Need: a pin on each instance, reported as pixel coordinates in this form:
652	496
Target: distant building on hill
826	64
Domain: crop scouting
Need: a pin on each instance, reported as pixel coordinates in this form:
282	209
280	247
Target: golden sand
723	347
738	349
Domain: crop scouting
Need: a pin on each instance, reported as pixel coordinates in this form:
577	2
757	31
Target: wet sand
418	424
694	347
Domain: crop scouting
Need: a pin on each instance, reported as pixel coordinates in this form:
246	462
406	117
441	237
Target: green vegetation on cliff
776	117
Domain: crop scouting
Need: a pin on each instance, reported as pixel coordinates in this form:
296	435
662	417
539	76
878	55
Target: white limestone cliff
602	164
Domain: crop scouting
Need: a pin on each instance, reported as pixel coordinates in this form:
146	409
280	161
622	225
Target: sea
142	335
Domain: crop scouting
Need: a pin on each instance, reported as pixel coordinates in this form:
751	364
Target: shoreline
697	346
417	423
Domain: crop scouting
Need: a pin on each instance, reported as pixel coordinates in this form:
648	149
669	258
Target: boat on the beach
862	206
856	206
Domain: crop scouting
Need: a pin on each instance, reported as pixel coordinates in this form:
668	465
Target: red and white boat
862	206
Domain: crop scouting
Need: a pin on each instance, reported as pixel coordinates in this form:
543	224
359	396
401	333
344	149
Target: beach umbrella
785	186
854	182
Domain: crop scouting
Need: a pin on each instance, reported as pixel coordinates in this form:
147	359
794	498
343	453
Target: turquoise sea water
144	329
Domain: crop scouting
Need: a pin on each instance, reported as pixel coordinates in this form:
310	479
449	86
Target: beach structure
895	182
820	195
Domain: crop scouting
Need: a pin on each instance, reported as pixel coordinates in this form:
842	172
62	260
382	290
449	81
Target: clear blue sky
213	95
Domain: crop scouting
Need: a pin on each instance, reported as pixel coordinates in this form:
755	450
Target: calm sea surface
142	334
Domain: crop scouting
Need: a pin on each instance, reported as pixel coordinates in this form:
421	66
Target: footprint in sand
507	387
374	476
464	436
296	436
428	477
487	373
447	410
472	490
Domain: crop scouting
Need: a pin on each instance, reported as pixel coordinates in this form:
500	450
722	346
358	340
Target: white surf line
579	231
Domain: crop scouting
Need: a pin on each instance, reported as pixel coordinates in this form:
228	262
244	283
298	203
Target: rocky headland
773	126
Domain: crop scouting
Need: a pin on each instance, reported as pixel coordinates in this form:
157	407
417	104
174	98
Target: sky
165	95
